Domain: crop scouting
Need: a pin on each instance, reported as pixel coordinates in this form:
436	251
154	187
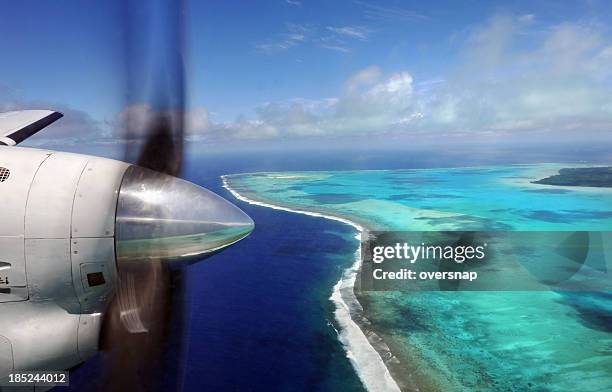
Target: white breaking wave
368	364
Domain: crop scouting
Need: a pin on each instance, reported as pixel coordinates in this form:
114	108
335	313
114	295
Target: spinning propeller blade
162	222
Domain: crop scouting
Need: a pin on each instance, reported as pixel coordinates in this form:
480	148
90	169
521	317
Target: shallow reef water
484	341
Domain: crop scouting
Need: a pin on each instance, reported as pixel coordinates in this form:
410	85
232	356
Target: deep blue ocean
260	318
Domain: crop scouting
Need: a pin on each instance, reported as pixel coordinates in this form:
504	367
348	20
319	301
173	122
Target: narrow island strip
599	177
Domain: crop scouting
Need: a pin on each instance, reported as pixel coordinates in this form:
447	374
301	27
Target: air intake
4	174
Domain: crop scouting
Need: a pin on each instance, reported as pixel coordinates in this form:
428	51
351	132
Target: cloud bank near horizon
514	78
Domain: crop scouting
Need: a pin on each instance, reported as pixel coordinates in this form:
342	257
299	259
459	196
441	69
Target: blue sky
296	70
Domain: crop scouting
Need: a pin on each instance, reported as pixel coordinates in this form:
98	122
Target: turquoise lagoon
466	341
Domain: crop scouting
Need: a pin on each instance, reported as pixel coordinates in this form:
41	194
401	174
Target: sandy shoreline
367	351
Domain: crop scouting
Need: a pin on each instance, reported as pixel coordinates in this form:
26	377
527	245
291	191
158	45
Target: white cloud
372	103
336	48
356	32
364	77
389	13
296	34
555	85
330	38
487	46
517	78
400	83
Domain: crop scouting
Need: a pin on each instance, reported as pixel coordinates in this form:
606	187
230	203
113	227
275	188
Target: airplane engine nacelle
67	220
57	260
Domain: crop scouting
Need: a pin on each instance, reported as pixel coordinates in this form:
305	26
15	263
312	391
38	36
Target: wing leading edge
19	125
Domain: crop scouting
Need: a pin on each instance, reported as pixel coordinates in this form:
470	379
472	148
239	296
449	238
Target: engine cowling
68	220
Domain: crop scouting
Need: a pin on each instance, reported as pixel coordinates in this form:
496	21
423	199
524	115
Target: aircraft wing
19	125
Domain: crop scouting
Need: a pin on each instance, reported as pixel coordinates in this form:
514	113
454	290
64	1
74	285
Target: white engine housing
57	255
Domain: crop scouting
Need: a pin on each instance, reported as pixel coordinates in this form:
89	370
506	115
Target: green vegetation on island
585	176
